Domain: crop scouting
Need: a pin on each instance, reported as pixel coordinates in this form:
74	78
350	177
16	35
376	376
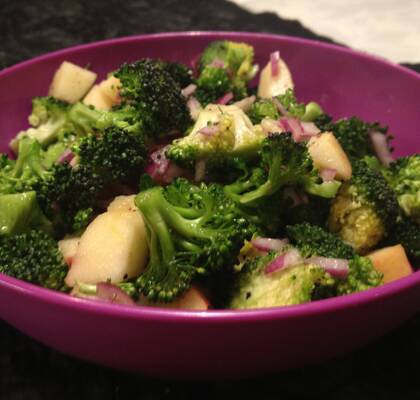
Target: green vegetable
33	256
404	177
224	66
193	230
315	241
407	233
156	97
364	210
233	136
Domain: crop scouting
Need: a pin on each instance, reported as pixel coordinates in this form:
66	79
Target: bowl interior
344	82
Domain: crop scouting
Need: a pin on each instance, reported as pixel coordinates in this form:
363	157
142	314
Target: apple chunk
327	153
71	82
123	203
192	299
68	247
392	262
97	99
110	88
269	85
113	248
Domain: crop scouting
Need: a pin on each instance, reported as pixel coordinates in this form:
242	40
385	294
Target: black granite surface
386	369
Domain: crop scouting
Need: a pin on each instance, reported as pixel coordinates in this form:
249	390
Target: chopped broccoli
404	177
407	233
49	120
364	210
287	163
288	286
220	132
224	66
34	257
155	95
267	108
353	135
68	194
314	210
315	241
180	73
193	230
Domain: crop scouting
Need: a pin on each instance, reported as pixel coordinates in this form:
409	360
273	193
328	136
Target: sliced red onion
294	195
309	128
73	162
194	107
280	107
336	267
301	131
268	244
380	145
189	90
200	170
245	104
161	169
287	259
225	98
65	157
113	294
328	174
159	158
275	64
209	131
217	63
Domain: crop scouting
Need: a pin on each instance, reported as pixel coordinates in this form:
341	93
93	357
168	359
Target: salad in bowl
201	187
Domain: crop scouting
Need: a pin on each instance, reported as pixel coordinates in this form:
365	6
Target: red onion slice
328	174
280	107
380	146
336	267
65	157
194	107
275	64
159	159
189	90
267	244
287	259
309	128
209	130
225	98
246	103
113	294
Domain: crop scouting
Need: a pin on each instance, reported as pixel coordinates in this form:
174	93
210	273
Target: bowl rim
210	316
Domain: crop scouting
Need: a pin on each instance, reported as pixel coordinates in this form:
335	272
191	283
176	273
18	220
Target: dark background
386	369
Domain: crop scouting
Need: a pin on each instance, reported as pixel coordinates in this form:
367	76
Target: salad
167	185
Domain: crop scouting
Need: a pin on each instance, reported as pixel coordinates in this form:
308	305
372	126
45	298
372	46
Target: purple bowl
220	344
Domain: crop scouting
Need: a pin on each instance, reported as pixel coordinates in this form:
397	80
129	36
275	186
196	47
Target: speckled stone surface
386	369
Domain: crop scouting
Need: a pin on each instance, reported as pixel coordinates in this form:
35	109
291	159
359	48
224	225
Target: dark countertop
386	369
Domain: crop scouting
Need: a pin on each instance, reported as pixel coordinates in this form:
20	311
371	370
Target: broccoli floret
404	177
314	210
364	210
315	241
287	163
267	108
49	120
263	108
180	73
296	284
220	132
224	66
68	194
34	257
353	135
193	230
407	233
155	95
212	84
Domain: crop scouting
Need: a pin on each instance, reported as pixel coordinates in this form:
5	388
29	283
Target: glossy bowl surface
220	344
